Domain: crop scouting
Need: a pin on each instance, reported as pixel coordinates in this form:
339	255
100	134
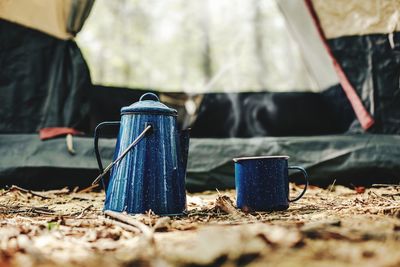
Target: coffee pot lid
149	103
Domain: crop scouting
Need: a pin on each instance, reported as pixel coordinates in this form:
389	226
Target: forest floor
335	226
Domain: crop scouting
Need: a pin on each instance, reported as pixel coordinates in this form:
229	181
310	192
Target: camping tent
348	131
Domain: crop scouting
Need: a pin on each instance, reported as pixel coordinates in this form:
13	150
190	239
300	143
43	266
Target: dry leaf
225	204
359	189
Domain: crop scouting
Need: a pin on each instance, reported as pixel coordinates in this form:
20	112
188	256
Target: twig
41	211
88	189
61	191
321	224
22	209
70	144
393	210
391	195
161	223
386	185
74	196
199	213
34	193
131	221
83	211
331	187
384	198
225	204
149	215
4	192
122	225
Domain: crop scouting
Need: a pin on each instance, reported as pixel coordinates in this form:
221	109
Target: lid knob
149	96
148	103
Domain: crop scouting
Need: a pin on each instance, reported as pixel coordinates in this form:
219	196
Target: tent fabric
273	114
314	53
50	16
366	62
80	10
357	17
363	115
223	115
373	66
59	18
44	81
346	159
357	159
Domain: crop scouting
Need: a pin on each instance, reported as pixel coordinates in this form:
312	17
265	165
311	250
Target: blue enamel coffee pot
149	167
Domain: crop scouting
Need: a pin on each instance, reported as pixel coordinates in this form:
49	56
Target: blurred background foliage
193	46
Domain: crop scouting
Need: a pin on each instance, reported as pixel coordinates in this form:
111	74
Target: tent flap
44	81
373	67
80	10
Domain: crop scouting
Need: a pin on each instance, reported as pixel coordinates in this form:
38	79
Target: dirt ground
336	226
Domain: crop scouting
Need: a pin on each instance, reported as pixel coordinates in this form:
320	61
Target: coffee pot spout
184	137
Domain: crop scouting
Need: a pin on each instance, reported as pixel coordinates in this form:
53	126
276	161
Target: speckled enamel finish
152	174
262	183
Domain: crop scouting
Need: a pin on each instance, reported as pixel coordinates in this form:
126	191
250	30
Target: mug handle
305	178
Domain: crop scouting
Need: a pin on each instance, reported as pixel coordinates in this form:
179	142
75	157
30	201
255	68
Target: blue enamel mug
262	183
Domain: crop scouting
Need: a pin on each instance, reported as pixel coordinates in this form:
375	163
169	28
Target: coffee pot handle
303	171
147	130
96	144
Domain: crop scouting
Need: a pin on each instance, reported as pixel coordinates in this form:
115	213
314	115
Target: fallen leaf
359	189
225	204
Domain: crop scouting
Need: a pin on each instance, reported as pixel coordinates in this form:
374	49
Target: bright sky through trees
193	46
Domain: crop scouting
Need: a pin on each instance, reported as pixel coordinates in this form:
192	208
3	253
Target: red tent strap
362	114
51	132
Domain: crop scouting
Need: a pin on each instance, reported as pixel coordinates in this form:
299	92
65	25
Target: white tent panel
306	34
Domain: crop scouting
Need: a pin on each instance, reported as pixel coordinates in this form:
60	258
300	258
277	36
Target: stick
34	193
161	223
224	203
381	197
18	209
386	185
131	221
391	195
70	144
88	189
74	196
331	187
4	192
83	211
122	225
41	211
61	191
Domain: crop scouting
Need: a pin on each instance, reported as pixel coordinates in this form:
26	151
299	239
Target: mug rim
260	157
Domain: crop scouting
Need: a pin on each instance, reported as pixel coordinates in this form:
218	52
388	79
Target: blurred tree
205	27
195	46
262	70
